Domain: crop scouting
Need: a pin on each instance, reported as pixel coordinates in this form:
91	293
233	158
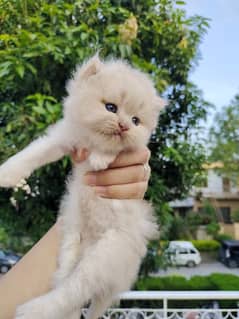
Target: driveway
203	269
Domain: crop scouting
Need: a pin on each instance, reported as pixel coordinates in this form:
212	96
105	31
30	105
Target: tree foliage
40	44
224	135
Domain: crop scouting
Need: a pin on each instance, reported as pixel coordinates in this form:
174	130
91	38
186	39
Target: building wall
223	197
215	184
230	229
236	231
218	203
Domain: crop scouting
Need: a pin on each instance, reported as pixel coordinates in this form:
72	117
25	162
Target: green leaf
32	54
9	128
180	3
5	68
31	68
39	110
83	36
20	70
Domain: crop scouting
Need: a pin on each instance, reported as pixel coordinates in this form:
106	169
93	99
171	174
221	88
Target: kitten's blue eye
111	107
135	120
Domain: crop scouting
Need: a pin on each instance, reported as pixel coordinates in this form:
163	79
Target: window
183	251
226	214
2	255
192	251
226	184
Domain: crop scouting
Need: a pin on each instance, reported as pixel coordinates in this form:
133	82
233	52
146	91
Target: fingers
126	191
79	155
139	156
122	175
126	178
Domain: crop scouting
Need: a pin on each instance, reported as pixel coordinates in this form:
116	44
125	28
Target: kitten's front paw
10	175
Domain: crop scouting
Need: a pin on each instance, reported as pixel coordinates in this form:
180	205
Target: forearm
31	276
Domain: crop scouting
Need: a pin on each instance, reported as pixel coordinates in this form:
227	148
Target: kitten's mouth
118	134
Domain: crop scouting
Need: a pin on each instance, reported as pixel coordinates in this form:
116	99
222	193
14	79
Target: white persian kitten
110	107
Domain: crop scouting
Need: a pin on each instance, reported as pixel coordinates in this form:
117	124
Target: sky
217	74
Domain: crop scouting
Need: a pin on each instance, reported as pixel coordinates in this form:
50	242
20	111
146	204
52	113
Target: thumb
79	155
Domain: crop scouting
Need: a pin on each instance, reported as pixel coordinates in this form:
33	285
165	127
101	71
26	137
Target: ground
203	269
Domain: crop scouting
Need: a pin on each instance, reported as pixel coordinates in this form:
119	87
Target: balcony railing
165	312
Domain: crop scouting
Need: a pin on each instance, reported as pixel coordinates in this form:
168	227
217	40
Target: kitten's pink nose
123	127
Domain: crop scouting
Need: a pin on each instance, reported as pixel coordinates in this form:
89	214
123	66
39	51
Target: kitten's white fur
103	240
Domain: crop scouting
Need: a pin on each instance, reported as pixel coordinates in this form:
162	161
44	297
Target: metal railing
165	312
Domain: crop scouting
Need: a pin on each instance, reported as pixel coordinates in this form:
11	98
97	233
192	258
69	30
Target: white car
182	253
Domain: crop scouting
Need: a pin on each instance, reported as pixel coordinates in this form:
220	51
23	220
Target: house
221	192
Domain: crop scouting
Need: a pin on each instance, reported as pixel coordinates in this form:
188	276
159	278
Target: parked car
7	260
182	253
229	253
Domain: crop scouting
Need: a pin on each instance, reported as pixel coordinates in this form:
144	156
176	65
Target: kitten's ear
91	67
83	72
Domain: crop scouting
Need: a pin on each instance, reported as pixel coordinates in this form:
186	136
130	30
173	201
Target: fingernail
90	179
101	191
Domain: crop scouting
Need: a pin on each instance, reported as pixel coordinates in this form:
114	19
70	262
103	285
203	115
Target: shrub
201	245
149	283
201	283
163	244
224	282
214	281
3	237
175	282
208	213
206	245
152	261
213	229
221	237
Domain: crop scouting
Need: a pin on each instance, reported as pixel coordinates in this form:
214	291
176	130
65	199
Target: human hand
126	178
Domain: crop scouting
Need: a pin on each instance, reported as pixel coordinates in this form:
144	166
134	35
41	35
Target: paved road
202	269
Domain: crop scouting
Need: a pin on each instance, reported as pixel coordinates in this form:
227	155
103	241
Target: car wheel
191	263
4	269
232	263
